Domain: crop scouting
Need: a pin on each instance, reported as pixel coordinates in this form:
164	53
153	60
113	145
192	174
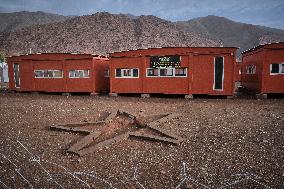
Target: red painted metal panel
272	83
126	85
80	84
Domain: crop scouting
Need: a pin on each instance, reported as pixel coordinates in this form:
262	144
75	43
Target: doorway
218	73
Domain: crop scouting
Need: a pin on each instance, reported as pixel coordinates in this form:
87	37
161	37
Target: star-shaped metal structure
83	147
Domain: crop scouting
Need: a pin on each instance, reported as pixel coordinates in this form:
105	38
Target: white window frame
131	73
49	71
159	73
281	67
222	74
79	71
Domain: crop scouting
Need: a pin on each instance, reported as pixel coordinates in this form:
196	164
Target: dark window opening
135	73
118	73
218	69
275	68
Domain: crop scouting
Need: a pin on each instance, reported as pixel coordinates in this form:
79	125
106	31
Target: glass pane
170	72
180	72
135	72
49	73
127	72
118	72
38	73
163	72
72	73
80	73
57	73
218	73
152	72
275	68
45	74
86	73
282	71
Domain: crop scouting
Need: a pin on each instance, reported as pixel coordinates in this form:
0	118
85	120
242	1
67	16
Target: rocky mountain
17	20
99	33
231	33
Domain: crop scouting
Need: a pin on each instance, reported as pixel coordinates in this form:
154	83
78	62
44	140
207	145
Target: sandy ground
228	143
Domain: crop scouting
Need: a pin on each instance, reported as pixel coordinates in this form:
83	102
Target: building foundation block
261	96
145	95
113	94
189	96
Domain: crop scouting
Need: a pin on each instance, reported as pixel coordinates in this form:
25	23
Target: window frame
49	71
280	66
131	73
253	68
79	77
159	72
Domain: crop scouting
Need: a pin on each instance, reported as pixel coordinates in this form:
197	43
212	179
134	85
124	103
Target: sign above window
165	61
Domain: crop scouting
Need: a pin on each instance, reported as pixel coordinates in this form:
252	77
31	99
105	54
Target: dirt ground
227	143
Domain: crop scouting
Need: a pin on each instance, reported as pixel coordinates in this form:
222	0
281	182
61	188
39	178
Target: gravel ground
228	143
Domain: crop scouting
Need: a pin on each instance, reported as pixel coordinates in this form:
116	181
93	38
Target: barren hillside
99	33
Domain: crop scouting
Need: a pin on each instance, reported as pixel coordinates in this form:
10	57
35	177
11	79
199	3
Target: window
180	72
48	74
117	72
250	69
276	68
127	73
152	72
166	72
79	73
106	73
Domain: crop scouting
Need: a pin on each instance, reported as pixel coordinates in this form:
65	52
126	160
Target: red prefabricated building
174	70
58	72
263	69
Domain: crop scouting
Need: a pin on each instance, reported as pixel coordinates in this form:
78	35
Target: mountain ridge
103	32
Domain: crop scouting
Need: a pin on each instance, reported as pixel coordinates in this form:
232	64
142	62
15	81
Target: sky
259	12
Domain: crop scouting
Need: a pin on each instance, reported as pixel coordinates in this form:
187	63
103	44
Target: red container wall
165	85
272	83
80	84
25	73
50	84
203	75
252	82
101	81
198	61
65	62
126	85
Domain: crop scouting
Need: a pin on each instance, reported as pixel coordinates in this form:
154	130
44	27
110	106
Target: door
218	73
17	75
